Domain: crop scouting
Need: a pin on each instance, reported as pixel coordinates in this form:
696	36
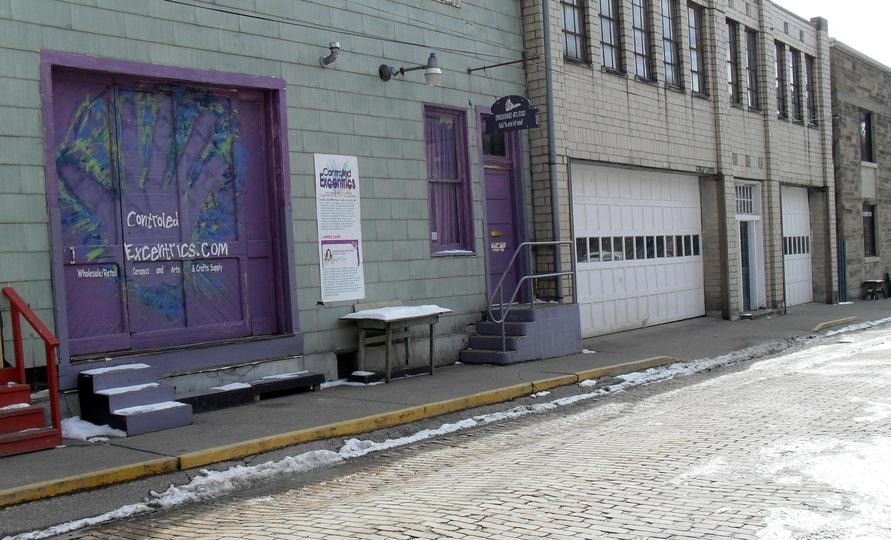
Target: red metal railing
18	308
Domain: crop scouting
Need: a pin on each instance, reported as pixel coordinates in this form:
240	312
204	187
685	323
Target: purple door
165	214
502	200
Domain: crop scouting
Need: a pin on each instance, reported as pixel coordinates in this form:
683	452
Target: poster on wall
340	227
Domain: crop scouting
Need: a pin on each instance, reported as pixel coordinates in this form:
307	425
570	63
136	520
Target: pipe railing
529	277
19	308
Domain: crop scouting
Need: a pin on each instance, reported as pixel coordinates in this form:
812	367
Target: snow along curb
200	458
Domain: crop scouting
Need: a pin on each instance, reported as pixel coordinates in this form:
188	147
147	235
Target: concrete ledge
547	384
627	367
836	322
90	480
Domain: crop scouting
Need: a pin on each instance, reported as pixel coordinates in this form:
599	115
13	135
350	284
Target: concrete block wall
344	109
860	83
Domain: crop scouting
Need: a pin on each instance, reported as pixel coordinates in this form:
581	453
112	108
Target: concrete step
29	440
93	380
12	393
275	385
481	356
221	397
21	418
149	418
97	407
495	343
516	314
486	328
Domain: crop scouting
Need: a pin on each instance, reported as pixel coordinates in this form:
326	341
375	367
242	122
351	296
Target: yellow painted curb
836	322
80	482
351	427
547	384
627	367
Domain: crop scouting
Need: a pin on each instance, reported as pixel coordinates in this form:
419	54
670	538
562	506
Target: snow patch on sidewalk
75	428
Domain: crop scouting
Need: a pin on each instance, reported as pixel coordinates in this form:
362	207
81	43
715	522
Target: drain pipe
552	144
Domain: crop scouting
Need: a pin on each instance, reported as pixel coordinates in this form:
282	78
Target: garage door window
627	248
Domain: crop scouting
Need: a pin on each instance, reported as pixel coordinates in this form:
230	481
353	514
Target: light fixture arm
432	73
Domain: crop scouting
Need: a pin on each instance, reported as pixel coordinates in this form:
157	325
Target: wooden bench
384	323
872	288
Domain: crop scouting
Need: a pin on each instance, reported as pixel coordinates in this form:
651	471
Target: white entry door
797	246
638	243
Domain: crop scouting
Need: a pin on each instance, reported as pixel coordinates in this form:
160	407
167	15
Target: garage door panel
645	279
797	246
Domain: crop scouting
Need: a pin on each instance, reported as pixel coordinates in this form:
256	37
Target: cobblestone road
791	447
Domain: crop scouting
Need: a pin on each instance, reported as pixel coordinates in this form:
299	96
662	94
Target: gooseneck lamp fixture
432	73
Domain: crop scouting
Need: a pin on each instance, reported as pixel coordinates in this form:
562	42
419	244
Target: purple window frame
281	220
463	213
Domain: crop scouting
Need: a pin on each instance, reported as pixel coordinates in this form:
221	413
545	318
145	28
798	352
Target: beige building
694	159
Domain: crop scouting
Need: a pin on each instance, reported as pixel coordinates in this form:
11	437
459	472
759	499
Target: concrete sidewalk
345	410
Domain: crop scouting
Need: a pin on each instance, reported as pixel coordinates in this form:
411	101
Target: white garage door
638	241
797	246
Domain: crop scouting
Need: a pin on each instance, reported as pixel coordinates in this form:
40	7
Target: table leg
407	344
387	355
361	349
432	341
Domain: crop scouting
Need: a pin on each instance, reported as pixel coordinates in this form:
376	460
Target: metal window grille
745	199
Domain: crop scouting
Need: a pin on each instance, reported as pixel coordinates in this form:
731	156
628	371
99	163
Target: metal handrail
528	277
20	308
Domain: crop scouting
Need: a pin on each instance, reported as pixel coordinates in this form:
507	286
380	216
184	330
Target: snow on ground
75	428
847	467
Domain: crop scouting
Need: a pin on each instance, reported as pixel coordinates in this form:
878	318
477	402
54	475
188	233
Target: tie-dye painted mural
163	214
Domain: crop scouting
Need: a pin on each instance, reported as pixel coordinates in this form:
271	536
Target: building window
866	153
780	79
697	49
574	42
451	226
752	68
732	38
809	93
640	24
610	40
670	43
745	199
795	83
869	230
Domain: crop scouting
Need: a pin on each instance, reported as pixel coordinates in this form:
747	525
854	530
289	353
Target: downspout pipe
552	143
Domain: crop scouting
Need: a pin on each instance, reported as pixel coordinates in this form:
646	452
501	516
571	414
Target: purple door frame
289	340
514	147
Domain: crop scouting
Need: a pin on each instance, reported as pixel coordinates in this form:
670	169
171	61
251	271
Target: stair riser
494	329
494	343
96	408
517	315
16	394
115	379
213	401
137	424
485	357
18	443
25	419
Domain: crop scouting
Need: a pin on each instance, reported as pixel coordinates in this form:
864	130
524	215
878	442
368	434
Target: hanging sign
340	227
512	113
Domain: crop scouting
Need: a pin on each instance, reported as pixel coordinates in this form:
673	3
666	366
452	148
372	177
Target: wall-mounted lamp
325	61
432	73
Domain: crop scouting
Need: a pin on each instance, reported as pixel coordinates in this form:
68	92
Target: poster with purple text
340	227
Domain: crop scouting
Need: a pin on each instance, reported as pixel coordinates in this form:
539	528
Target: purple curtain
444	174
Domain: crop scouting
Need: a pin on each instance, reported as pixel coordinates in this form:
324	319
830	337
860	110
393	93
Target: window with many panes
451	223
670	55
697	49
866	151
810	96
640	26
795	83
869	230
574	40
732	38
779	65
752	68
629	248
610	40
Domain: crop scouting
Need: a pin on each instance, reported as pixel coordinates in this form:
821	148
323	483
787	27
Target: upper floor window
574	41
869	230
752	68
809	90
610	41
866	150
640	24
697	49
732	38
451	224
795	83
670	54
779	64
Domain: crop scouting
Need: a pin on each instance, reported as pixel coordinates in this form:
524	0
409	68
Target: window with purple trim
451	223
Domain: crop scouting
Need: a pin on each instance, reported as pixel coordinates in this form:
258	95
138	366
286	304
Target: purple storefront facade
170	215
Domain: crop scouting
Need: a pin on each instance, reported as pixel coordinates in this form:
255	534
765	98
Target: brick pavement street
791	447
